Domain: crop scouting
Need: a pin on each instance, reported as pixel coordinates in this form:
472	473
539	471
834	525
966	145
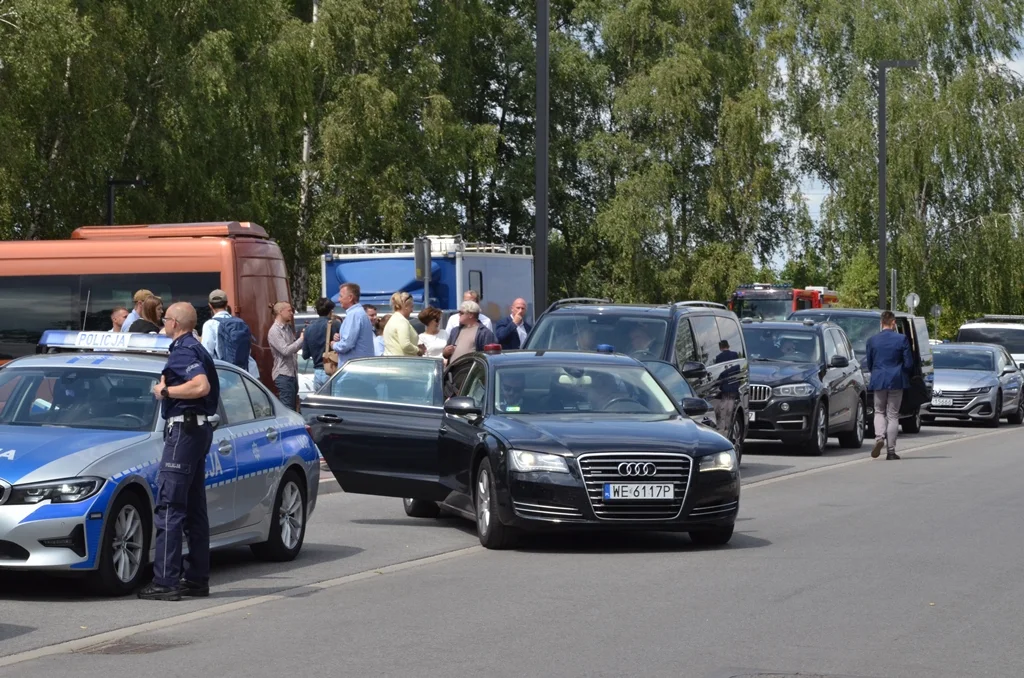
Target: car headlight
521	460
981	390
56	491
793	391
720	461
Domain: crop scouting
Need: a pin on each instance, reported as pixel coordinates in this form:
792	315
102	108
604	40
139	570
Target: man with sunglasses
189	391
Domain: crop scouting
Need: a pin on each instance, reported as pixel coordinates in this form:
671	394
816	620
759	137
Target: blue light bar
106	341
605	348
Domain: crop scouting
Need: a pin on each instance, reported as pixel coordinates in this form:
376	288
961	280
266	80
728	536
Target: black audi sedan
805	385
528	440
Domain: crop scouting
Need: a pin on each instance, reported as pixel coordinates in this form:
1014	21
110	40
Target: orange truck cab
75	284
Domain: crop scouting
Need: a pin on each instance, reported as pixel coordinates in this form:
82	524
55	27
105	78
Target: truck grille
601	467
760	393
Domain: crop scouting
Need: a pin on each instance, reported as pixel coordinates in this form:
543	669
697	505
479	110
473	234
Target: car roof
864	312
148	363
559	357
787	325
637	310
999	326
970	345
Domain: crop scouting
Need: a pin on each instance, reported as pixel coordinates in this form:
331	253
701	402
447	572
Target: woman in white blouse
434	338
399	336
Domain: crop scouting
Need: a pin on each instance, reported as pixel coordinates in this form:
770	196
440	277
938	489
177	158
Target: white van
1004	330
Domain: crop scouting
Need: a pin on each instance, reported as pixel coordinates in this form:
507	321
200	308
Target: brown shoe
877	449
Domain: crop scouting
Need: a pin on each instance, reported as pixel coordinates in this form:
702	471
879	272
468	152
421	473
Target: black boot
154	591
892	455
191	589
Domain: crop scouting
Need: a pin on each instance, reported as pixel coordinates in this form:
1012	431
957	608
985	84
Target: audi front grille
598	468
760	393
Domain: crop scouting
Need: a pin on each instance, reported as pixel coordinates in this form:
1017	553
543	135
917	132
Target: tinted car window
670	378
964	359
686	350
29	305
79	398
260	402
476	385
577	331
729	330
858	328
831	350
705	331
1012	339
455	378
579	390
840	342
800	346
234	398
408	381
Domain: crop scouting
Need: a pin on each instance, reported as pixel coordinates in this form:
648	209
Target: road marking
860	460
71	646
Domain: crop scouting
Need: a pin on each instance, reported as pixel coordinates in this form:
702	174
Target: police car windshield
77	397
552	389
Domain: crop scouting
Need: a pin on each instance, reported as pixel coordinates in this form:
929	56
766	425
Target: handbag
330	356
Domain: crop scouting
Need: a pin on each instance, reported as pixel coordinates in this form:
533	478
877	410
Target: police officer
189	390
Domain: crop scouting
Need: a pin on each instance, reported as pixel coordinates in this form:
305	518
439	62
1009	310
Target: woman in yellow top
400	337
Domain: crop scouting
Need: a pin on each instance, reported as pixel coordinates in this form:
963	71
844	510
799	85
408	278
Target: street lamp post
883	66
540	250
111	184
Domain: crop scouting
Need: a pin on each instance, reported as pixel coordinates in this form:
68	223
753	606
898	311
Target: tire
124	546
492	532
815	445
712	536
1017	418
854	438
288	522
927	420
997	414
736	435
421	508
912	424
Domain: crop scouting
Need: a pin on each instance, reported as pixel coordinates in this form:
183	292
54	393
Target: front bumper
964	408
52	536
781	418
552	501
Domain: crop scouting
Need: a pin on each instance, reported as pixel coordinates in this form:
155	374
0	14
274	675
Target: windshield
765	309
964	359
554	389
794	346
858	328
638	336
77	398
1010	338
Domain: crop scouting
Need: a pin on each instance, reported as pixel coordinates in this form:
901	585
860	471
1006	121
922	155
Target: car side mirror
214	420
693	370
695	407
840	361
1009	369
463	406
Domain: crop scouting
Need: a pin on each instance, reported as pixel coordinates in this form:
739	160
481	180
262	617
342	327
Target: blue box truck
498	272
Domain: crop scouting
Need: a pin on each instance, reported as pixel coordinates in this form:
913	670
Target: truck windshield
1010	338
629	334
30	305
763	309
77	397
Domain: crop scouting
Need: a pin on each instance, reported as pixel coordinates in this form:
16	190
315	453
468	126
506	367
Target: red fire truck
771	301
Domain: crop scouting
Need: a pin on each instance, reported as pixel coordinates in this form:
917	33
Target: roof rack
121	342
224	229
439	245
697	302
577	300
991	318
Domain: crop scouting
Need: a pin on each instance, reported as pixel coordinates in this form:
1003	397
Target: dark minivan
685	334
860	324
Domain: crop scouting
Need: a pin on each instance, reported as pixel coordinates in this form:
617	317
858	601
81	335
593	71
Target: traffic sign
912	301
936	311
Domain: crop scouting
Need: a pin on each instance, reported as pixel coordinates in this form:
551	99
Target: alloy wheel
126	546
859	427
737	437
822	429
483	501
290	515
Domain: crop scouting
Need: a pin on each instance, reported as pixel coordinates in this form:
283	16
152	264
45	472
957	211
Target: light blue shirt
356	340
132	317
378	346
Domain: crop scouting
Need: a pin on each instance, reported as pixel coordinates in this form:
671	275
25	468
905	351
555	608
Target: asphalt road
841	566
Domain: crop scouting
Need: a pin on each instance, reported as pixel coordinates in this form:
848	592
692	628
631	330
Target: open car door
376	423
919	392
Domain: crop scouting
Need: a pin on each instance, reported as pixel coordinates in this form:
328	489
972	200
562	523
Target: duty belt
180	419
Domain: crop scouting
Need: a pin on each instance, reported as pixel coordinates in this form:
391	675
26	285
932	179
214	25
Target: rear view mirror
695	407
214	420
693	370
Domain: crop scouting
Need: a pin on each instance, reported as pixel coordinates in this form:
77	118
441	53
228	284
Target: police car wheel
124	547
288	521
421	508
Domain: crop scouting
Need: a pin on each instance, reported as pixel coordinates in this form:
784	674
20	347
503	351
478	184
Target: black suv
804	385
860	325
686	334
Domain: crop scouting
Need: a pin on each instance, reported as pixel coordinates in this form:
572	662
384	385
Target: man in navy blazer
889	360
513	329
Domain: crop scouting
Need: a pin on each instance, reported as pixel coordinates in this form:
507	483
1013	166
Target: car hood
604	432
961	380
776	373
32	454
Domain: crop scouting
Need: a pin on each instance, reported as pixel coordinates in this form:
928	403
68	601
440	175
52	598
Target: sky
815	192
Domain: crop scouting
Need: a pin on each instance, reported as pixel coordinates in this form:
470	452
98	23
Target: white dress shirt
453	322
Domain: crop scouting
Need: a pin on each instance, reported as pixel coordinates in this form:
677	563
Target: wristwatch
164	393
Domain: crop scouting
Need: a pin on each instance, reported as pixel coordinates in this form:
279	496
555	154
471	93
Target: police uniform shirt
186	360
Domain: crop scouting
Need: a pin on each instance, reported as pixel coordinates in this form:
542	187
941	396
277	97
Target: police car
81	436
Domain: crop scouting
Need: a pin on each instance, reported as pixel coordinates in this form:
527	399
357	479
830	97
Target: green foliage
858	287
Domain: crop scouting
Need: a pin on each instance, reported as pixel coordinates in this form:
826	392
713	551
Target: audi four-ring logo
637	469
